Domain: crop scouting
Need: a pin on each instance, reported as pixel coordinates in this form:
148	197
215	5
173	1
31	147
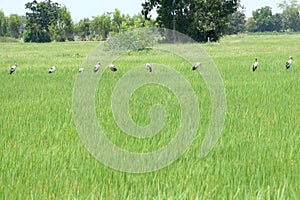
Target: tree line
263	20
48	21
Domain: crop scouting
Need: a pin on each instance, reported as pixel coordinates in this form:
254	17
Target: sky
80	9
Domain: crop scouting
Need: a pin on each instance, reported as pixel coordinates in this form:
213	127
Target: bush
132	40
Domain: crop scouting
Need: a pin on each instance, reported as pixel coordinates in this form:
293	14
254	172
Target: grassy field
43	157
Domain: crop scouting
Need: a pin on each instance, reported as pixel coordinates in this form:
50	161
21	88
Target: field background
257	156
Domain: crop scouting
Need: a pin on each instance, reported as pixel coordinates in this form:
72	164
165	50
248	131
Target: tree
117	21
277	22
212	18
199	19
263	19
139	21
237	22
251	25
176	14
3	24
291	19
63	28
38	21
285	5
127	23
82	28
15	23
101	25
290	15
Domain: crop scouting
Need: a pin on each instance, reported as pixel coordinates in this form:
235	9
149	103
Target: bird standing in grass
255	65
148	67
112	67
13	68
289	63
196	66
97	66
51	70
81	69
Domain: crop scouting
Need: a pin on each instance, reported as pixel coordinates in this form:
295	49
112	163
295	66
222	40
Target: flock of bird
52	69
148	66
288	63
112	67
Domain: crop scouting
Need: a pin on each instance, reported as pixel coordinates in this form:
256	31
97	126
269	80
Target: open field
256	157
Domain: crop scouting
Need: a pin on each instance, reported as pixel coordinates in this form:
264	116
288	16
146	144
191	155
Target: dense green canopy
199	19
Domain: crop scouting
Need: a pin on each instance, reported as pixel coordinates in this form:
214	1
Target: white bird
81	69
51	70
13	68
97	66
196	65
112	67
289	63
255	65
148	67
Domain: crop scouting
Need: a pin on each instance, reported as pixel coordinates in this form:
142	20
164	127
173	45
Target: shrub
132	40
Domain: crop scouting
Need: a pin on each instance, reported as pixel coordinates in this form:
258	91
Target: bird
51	70
288	64
112	67
13	68
148	67
255	65
97	66
196	66
81	69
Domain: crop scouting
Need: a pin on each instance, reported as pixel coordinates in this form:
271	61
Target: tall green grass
257	157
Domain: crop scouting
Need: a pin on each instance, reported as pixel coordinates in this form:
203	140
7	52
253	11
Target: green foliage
277	22
251	25
237	22
104	24
3	24
291	18
15	23
36	35
11	26
117	21
39	19
132	40
264	21
199	19
140	21
63	28
82	28
101	25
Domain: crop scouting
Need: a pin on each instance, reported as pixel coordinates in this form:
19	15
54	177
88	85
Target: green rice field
42	155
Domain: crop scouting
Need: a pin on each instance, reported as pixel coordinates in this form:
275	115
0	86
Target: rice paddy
43	157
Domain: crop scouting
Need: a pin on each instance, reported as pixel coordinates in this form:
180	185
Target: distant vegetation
48	21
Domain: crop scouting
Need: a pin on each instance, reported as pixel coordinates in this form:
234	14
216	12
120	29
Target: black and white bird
97	66
255	65
81	69
196	65
51	70
289	63
148	67
112	67
13	68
